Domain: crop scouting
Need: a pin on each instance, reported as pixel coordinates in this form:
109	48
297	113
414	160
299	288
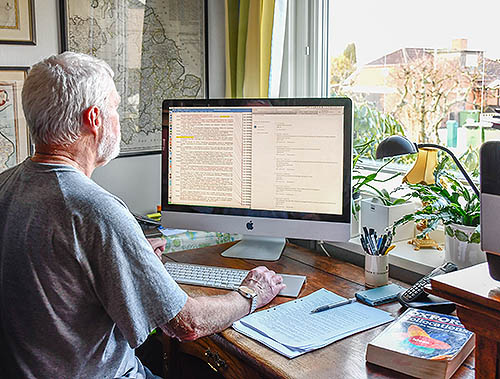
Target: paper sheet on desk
170	232
291	328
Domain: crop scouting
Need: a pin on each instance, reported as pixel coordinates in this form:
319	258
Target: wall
47	37
136	180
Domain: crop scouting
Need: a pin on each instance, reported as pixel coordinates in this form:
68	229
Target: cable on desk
321	244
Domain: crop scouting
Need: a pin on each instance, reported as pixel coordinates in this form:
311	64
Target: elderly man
80	286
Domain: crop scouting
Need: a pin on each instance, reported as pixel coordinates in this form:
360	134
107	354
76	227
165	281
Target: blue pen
333	305
383	246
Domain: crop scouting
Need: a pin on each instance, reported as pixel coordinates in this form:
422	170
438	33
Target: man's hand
205	315
158	245
265	282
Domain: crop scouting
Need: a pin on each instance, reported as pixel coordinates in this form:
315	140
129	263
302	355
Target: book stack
423	344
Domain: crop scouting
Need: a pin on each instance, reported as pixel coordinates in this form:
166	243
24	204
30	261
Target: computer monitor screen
264	168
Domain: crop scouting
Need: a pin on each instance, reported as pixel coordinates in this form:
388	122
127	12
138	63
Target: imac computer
267	169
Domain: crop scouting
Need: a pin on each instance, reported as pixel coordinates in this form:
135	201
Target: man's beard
109	147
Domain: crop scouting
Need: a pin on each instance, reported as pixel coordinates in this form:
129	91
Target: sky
379	27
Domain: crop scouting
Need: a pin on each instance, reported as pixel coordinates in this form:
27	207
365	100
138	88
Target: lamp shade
395	145
422	171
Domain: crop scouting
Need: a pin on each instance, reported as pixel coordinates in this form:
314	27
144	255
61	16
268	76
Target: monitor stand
256	247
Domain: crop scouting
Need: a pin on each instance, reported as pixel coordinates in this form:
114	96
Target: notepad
292	330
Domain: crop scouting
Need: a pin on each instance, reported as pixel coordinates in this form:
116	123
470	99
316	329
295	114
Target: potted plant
371	127
363	185
451	203
374	206
382	210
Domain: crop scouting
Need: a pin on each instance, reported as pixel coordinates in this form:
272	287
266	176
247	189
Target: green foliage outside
342	66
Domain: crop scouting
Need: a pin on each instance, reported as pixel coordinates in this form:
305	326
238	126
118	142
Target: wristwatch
249	293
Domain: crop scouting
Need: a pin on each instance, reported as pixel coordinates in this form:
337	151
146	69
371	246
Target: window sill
403	258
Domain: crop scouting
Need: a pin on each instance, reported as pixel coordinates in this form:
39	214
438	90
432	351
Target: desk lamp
421	173
399	145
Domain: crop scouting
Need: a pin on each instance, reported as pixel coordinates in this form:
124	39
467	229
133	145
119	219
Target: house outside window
428	70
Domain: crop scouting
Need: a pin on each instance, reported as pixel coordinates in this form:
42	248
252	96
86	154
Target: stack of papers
291	329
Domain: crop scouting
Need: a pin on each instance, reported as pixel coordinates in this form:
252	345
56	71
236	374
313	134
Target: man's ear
92	119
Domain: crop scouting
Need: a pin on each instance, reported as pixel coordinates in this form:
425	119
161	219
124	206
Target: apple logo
250	225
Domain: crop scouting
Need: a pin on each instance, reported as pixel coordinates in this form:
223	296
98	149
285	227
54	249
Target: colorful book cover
425	334
427	339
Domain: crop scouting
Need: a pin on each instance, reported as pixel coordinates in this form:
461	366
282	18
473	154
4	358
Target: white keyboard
225	278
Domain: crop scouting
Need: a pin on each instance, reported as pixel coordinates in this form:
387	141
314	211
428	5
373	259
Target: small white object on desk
170	232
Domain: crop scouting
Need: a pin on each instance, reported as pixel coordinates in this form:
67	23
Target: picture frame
17	22
155	54
15	145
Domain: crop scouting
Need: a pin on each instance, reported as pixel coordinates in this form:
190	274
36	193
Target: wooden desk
477	297
236	356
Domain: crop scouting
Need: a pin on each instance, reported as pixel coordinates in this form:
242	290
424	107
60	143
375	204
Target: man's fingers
157	243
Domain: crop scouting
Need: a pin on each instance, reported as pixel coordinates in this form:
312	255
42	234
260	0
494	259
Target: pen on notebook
333	305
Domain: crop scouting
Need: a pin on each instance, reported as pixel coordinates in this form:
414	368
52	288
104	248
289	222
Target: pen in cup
389	249
333	305
374	245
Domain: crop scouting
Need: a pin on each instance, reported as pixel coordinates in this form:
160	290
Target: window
429	70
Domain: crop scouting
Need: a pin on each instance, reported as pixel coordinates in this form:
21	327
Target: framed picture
14	135
157	50
17	22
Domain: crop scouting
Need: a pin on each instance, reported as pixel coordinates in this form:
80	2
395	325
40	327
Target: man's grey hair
58	90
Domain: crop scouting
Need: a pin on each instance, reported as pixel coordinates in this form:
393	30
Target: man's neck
69	157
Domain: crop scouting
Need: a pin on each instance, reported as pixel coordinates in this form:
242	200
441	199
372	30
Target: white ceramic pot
378	216
463	252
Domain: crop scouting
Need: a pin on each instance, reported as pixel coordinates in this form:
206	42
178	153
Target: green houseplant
371	127
451	203
365	184
369	187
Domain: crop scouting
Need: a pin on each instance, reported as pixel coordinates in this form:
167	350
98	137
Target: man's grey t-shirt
80	286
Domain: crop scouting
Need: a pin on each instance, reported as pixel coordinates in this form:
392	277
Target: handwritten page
293	327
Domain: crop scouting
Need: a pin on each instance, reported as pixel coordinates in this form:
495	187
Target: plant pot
462	247
378	216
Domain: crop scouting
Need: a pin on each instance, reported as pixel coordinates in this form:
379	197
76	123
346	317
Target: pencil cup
376	270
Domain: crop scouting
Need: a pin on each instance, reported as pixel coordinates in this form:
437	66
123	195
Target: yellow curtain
249	32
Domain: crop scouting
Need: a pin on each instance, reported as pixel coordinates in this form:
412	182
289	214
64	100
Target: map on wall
9	18
14	141
156	49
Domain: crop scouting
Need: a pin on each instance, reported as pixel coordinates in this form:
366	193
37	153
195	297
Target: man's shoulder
82	192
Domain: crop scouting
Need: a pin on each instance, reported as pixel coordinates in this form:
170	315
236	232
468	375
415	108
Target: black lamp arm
457	162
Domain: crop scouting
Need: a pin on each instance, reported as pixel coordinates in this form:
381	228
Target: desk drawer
208	354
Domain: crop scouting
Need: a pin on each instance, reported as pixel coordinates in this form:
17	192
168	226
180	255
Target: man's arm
206	315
